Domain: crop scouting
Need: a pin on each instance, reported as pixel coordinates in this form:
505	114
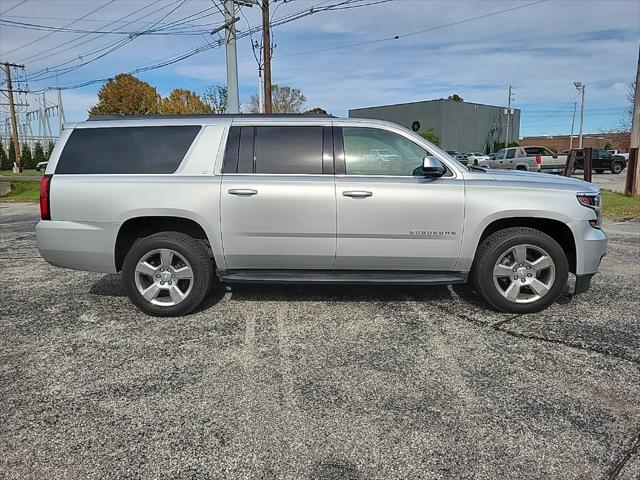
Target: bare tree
215	96
285	100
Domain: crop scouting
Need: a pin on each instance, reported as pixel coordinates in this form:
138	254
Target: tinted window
126	149
362	147
511	153
288	150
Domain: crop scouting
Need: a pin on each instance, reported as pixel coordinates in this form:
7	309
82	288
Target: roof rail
210	115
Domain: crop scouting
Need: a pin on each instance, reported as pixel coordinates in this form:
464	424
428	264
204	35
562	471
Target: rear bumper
81	246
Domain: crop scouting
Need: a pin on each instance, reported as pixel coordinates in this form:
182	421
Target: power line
75	40
190	53
117	46
15	6
64	26
417	32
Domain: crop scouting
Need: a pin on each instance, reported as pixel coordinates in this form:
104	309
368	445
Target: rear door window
288	150
511	153
126	150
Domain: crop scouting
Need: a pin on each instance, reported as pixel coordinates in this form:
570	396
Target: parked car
614	153
474	158
601	161
41	166
457	155
513	158
182	204
550	162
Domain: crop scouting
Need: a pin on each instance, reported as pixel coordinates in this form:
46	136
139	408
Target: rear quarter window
132	150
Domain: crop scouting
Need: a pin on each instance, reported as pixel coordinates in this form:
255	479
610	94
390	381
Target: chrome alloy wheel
524	273
164	277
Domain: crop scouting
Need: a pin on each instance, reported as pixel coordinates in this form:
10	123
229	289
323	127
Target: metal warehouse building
462	126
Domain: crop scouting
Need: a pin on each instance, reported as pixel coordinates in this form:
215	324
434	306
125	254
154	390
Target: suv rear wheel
520	270
167	274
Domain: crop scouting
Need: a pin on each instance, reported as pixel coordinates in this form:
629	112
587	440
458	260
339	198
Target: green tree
215	96
317	111
284	100
5	164
126	95
38	153
455	97
27	157
50	148
431	136
181	102
11	152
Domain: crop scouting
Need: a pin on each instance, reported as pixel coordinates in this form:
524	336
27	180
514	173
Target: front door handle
243	192
357	194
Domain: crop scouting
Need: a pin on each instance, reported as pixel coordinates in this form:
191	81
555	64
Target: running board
343	276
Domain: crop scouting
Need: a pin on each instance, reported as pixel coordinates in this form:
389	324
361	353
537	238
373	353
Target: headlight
591	200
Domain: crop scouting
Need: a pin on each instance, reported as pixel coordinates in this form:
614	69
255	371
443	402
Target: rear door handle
357	194
243	192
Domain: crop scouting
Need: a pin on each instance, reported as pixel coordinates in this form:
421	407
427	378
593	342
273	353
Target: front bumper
591	246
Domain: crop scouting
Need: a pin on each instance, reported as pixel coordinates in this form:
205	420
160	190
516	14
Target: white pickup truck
550	162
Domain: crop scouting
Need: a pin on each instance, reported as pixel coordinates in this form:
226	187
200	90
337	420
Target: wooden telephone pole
12	111
266	49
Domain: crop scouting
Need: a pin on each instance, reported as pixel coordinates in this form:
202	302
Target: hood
541	180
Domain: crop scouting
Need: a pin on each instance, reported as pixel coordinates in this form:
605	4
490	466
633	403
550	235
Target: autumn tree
126	95
284	100
215	96
182	102
455	97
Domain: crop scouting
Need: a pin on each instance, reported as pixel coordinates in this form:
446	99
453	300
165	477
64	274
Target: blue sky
539	49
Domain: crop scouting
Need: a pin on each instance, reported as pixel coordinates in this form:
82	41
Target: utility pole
266	47
580	86
506	140
573	121
12	112
233	95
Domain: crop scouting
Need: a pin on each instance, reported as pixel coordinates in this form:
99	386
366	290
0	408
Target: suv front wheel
520	270
167	274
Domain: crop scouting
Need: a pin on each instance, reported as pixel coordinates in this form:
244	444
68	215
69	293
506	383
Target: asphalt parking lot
310	382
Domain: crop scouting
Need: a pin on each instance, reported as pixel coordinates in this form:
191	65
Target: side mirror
432	167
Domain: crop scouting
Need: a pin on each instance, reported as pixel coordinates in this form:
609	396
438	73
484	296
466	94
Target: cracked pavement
317	382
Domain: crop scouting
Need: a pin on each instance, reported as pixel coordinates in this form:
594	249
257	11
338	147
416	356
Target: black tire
599	170
193	251
495	246
617	167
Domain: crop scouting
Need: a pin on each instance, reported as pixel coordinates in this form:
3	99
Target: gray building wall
462	126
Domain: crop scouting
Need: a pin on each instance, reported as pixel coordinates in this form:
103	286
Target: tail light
45	201
538	159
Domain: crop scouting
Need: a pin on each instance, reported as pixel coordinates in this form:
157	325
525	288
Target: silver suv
183	205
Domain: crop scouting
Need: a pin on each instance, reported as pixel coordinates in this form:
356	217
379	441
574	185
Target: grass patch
25	173
617	206
23	192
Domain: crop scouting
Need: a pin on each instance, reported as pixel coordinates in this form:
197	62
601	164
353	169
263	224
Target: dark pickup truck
601	160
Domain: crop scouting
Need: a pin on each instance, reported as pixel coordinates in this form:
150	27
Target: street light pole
573	121
581	87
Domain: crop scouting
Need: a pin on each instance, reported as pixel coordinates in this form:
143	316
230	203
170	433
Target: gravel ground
281	382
